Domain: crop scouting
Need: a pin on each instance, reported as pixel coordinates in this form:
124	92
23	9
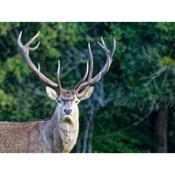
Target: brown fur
20	137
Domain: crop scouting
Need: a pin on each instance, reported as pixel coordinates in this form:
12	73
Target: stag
59	134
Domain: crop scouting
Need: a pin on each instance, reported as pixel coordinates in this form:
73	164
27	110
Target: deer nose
67	111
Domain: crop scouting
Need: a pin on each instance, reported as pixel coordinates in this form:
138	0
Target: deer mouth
67	119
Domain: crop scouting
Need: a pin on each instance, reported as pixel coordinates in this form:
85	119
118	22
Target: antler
87	79
25	49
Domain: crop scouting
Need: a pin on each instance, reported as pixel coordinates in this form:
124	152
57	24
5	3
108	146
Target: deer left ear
52	94
86	93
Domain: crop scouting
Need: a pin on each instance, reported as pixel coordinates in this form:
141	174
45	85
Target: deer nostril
67	111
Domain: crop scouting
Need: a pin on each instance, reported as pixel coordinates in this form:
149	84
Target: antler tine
89	67
91	63
58	75
103	45
32	39
105	68
34	48
109	57
85	75
114	47
92	81
39	68
19	40
25	54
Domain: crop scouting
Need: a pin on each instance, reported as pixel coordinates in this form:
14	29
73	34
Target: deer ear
86	93
52	94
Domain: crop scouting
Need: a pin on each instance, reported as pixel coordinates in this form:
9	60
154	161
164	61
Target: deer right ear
52	94
86	93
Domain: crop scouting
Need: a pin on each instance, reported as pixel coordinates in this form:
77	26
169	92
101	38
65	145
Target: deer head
67	100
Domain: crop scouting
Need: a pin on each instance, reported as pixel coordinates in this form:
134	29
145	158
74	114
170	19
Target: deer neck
61	136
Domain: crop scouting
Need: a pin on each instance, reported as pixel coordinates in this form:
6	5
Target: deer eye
76	101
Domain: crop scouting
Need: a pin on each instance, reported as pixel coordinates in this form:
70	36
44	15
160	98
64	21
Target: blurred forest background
133	106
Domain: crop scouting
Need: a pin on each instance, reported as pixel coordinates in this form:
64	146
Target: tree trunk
159	131
87	140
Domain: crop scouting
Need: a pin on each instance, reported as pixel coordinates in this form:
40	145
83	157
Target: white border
87	164
87	10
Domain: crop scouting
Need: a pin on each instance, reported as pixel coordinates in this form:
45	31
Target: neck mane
59	136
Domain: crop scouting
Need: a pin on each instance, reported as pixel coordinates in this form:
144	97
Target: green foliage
166	61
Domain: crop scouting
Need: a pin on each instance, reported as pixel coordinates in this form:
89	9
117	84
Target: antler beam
25	50
87	79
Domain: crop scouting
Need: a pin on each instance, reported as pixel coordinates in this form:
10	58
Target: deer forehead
68	95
